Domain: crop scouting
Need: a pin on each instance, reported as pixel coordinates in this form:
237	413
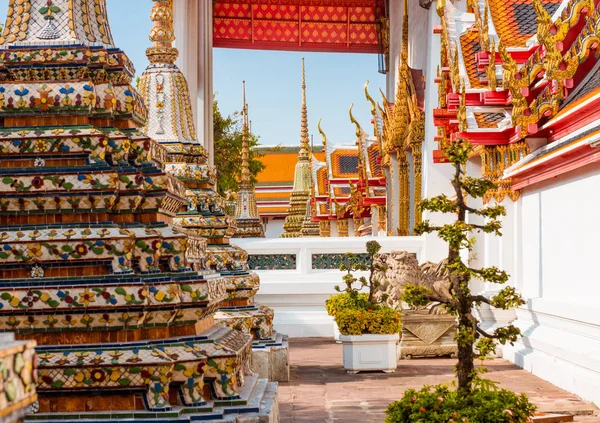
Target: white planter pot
370	352
336	333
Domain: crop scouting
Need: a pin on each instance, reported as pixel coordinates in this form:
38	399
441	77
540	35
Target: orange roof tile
280	167
515	20
469	44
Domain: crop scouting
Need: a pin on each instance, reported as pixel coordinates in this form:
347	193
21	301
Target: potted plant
369	331
342	301
472	398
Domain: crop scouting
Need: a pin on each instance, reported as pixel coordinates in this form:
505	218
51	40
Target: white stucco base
564	350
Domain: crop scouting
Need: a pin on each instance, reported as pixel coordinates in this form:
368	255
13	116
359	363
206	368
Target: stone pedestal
426	335
271	361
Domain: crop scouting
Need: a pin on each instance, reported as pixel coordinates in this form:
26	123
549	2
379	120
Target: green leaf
121	291
67	185
125	382
67	248
135	370
186	288
58	384
54	9
6	180
70	372
44	10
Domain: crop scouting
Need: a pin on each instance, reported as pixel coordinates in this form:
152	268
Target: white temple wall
298	294
273	227
557	272
436	177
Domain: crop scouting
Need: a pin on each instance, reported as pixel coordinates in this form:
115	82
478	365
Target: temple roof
305	25
515	20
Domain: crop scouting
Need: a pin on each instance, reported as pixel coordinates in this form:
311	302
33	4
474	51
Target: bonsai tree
353	264
458	234
357	312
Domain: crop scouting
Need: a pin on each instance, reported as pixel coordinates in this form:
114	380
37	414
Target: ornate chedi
118	298
204	215
302	179
247	218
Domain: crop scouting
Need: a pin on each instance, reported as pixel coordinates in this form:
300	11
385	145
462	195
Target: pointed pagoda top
245	182
162	34
304	153
52	23
405	33
164	87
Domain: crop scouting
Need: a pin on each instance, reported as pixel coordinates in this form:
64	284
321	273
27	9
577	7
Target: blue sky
272	79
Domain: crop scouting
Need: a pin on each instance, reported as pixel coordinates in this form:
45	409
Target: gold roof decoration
396	120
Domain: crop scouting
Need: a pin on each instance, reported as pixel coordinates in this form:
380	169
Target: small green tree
458	235
353	264
228	151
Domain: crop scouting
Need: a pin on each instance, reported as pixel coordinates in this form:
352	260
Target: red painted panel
231	10
274	12
362	14
323	33
276	32
324	14
363	34
232	29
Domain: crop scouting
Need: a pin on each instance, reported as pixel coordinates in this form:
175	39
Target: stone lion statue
397	269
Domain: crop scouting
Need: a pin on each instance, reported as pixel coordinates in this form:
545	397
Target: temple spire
304	153
302	175
245	180
405	33
162	34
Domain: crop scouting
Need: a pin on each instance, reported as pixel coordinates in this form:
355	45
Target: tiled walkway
321	391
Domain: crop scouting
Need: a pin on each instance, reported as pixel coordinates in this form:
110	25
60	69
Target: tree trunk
465	369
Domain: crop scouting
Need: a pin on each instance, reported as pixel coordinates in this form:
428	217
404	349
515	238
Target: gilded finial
304	153
324	137
355	122
162	34
371	100
245	179
405	32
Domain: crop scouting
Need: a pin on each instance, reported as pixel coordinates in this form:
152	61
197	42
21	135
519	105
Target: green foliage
441	404
228	151
343	301
377	321
352	264
459	235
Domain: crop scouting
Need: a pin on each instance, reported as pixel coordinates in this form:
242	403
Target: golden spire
162	34
405	32
304	153
245	182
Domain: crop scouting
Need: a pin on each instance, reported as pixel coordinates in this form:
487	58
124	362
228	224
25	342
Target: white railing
298	292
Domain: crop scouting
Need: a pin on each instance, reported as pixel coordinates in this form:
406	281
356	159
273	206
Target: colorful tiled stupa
17	378
204	215
301	193
247	218
119	299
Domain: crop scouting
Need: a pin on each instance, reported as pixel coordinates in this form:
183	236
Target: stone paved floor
320	391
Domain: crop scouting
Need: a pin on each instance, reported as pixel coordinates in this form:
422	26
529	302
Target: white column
194	32
436	176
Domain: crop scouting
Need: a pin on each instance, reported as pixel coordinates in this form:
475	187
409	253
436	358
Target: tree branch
480	298
484	333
